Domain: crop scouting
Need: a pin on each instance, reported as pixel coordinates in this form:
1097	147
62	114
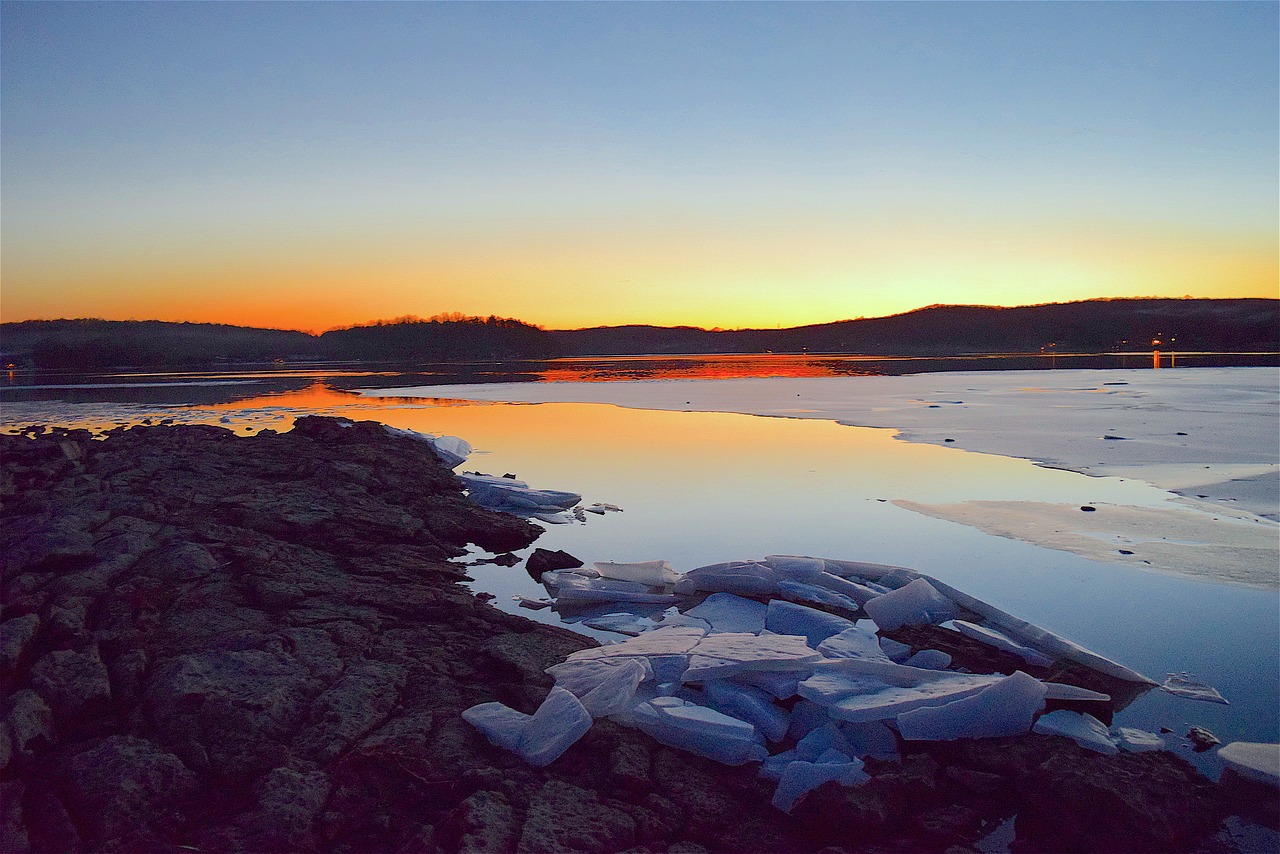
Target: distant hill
1095	326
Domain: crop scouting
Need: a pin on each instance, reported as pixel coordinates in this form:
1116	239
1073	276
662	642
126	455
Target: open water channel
698	488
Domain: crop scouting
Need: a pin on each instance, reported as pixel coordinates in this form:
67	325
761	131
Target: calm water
698	488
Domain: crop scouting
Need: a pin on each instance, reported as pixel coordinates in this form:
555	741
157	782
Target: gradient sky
309	165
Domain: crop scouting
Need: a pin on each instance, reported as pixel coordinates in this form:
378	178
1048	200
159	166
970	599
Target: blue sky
579	163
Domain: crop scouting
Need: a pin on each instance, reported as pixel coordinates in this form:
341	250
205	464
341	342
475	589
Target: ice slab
871	738
622	623
706	732
576	589
999	641
616	692
721	655
582	676
781	684
895	651
559	722
1133	740
672	617
1061	691
800	778
855	642
793	568
745	578
1085	730
650	572
1253	760
1182	685
501	724
886	690
507	494
859	593
827	689
451	450
1006	708
821	740
751	705
678	640
788	618
914	604
929	659
726	612
798	591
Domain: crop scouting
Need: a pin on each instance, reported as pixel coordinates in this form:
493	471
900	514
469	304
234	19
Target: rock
1084	801
1202	739
563	817
119	784
360	700
544	560
289	802
72	683
487	823
30	722
16	636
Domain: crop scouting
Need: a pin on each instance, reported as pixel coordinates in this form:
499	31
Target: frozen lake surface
703	487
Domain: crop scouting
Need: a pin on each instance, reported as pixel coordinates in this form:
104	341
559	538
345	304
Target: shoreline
1203	434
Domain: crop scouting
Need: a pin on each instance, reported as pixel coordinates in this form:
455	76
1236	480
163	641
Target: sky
313	165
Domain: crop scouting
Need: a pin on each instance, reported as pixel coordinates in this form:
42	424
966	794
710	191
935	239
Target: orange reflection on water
695	368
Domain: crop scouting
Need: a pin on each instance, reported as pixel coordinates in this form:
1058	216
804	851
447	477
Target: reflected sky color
762	164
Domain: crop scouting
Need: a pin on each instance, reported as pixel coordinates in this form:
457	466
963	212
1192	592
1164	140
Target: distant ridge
1093	326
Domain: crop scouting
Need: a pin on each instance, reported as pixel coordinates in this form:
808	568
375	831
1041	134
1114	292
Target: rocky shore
218	643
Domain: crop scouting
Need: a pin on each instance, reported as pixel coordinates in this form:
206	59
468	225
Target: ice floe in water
737	670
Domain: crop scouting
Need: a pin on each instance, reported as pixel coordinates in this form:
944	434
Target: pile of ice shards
782	662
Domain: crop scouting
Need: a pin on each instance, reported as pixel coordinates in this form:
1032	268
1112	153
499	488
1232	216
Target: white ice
1005	708
1182	685
1253	760
650	572
721	655
812	594
451	450
503	493
929	659
559	722
800	777
622	623
794	568
726	612
788	618
751	705
1133	740
582	676
916	603
781	683
745	578
895	651
697	729
999	641
1085	730
856	642
615	693
501	724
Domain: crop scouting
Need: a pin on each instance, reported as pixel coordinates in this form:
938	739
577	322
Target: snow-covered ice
1006	708
726	612
1085	730
1254	760
917	603
788	618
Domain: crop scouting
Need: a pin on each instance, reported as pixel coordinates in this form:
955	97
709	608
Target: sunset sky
310	165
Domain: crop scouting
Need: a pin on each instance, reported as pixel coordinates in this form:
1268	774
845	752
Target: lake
698	488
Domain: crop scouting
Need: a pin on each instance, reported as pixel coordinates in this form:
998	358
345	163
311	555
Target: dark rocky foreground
216	643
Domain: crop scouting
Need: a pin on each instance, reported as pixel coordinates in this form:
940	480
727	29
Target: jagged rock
16	636
119	784
544	560
487	823
562	817
72	683
360	700
30	722
289	802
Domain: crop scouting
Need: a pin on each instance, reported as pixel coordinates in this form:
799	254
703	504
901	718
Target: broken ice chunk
1085	730
999	641
746	578
559	722
1253	760
827	689
929	659
1005	708
895	651
788	618
500	493
796	591
673	617
1182	685
502	725
793	568
729	613
622	623
916	603
884	690
650	572
1060	691
582	676
781	684
799	778
859	593
749	704
615	693
856	642
805	718
871	738
1133	740
697	729
819	741
718	656
451	450
576	589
